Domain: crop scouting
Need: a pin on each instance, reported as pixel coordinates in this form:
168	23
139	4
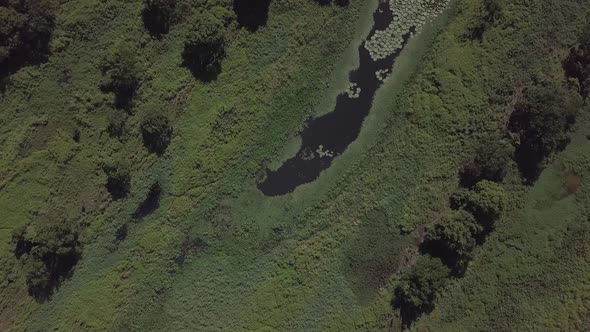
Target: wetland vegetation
294	165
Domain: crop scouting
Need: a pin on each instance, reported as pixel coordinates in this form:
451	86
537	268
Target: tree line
538	128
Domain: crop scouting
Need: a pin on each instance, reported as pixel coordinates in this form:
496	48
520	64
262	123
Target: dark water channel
334	131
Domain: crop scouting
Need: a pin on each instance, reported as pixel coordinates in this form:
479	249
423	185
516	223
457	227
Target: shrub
156	132
418	290
158	16
542	119
453	239
123	73
118	180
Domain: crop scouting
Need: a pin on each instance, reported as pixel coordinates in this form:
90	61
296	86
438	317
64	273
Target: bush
49	253
158	16
156	132
26	27
118	180
204	46
542	119
486	201
122	70
453	239
418	290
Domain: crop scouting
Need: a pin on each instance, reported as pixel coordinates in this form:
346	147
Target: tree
156	132
48	251
491	161
418	290
123	72
158	16
542	119
204	46
26	27
486	202
577	64
453	239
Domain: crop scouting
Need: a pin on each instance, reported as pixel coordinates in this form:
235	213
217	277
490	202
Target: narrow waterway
326	137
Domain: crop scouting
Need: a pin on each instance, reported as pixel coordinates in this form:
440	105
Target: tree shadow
252	14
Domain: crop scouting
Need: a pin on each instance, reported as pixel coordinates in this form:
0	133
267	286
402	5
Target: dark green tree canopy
418	290
159	16
491	161
204	46
542	119
26	27
486	201
453	239
577	64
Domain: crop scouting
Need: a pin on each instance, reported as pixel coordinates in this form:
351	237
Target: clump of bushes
542	120
122	72
156	132
48	251
158	16
25	32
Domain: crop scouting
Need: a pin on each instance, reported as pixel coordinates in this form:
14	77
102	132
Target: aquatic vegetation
409	16
353	91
